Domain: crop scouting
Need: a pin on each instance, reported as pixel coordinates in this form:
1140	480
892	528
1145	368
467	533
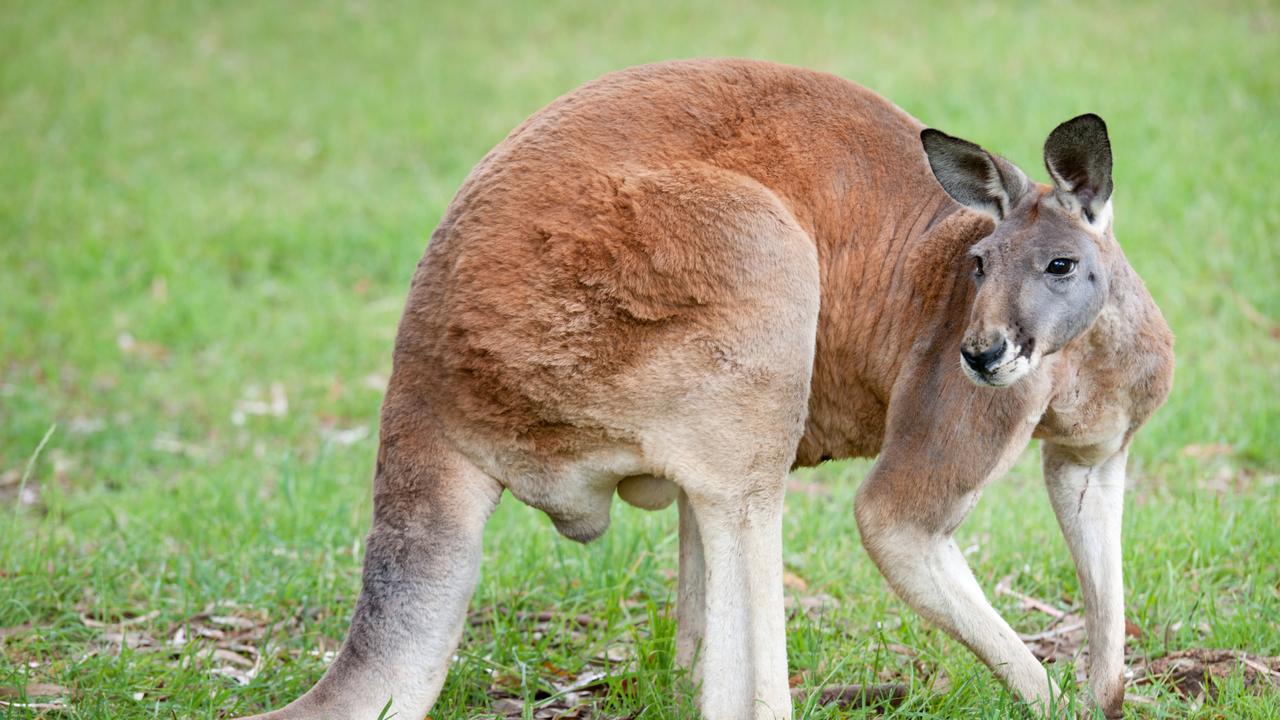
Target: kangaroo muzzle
991	359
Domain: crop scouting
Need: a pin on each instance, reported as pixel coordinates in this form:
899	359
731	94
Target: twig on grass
54	706
1061	630
1005	587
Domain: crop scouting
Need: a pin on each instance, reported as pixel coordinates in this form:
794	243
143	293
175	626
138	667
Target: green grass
202	198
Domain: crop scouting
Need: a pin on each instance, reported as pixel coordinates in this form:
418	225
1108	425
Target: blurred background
209	216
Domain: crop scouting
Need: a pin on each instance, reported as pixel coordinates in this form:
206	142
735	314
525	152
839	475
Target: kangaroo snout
984	360
991	358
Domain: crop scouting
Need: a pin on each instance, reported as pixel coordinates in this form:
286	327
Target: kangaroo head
1041	277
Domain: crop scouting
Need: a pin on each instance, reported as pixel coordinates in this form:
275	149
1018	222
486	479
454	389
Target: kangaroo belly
843	422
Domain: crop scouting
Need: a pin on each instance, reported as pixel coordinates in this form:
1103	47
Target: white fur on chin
1012	368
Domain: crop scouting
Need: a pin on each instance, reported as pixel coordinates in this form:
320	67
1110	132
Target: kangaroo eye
977	267
1060	266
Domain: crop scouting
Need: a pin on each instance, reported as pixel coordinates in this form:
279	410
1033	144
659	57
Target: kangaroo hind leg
421	564
730	612
1086	487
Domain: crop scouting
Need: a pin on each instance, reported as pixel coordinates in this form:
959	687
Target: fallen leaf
902	650
232	657
123	622
508	707
131	640
811	605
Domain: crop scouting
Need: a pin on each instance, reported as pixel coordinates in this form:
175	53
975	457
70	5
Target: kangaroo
680	281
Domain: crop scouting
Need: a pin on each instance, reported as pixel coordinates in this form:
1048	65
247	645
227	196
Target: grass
202	201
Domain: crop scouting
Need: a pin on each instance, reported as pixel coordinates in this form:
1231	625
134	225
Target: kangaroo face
1040	282
1040	276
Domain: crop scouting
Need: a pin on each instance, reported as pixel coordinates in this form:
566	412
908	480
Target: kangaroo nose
981	362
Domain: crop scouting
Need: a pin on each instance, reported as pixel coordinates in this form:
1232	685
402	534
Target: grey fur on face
1040	277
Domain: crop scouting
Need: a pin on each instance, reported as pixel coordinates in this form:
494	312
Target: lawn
209	215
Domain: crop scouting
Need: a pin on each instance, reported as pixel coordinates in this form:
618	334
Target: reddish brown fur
555	268
646	235
556	276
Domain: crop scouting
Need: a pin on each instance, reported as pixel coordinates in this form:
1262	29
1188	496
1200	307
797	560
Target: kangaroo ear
972	176
1078	156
